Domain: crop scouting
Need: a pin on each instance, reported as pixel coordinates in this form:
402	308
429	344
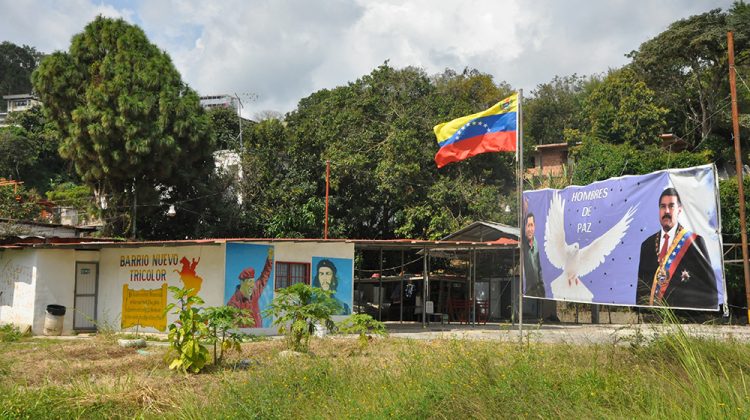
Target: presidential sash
682	241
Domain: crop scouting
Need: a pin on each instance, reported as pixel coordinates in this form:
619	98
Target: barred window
289	273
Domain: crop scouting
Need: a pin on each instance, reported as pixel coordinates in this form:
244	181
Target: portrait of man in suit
532	268
674	267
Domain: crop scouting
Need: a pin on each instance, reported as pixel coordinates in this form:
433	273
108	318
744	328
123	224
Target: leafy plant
297	310
10	333
185	334
364	325
221	320
17	202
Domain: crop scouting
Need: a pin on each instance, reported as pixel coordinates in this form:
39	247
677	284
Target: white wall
18	284
55	285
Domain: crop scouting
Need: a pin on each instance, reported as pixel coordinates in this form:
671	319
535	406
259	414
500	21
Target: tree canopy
377	134
125	118
16	65
118	111
687	68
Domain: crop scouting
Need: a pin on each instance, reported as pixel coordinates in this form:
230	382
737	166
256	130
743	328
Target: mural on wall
335	274
144	305
189	278
248	282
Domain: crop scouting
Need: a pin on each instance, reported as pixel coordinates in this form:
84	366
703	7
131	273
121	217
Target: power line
741	79
726	102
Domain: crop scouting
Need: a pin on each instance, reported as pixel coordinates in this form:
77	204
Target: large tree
622	109
686	66
552	108
377	134
126	119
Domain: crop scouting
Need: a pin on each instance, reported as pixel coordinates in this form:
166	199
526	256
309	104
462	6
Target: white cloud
49	25
285	50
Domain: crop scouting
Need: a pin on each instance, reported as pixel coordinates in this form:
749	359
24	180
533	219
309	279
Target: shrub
10	333
222	322
185	334
364	325
297	309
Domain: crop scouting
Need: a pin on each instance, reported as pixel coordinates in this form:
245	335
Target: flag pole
519	157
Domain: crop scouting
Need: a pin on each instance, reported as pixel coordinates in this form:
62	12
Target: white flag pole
519	157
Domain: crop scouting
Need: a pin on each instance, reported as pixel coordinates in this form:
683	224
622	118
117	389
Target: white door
87	285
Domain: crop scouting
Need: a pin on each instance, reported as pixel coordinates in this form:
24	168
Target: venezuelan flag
492	130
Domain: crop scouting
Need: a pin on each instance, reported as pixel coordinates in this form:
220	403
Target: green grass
674	376
9	333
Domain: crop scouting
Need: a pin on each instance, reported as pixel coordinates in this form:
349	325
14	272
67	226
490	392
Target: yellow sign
144	307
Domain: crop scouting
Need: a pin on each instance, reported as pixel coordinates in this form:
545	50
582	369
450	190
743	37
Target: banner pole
519	156
738	163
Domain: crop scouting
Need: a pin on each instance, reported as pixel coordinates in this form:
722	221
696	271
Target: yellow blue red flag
492	130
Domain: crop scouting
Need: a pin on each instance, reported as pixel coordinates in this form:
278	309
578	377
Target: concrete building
125	285
219	101
17	103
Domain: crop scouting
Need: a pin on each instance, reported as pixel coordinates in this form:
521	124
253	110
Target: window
289	273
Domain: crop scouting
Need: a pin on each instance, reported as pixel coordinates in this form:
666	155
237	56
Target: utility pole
135	215
328	176
738	163
239	118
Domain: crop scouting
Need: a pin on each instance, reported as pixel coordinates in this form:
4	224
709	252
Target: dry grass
95	378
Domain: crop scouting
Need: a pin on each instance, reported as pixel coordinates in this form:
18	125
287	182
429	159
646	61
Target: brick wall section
550	161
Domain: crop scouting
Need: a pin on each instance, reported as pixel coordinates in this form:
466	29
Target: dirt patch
99	353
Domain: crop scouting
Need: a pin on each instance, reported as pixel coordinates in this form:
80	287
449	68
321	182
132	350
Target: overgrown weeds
10	333
672	376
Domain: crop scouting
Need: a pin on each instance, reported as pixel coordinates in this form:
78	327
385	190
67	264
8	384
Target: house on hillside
219	101
550	159
18	103
553	160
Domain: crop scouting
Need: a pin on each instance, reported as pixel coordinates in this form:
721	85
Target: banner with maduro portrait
645	240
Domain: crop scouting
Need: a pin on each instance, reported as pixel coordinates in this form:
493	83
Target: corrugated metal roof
483	231
358	243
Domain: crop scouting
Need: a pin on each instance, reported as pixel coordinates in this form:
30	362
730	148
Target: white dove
575	261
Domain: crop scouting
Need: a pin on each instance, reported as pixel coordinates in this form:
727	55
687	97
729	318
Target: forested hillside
120	131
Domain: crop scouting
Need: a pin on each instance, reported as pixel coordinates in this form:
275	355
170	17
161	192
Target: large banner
647	240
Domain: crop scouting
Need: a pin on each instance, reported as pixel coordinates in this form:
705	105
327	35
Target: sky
272	53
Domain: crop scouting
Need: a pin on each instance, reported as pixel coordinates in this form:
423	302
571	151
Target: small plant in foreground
222	320
185	334
10	333
365	326
297	309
